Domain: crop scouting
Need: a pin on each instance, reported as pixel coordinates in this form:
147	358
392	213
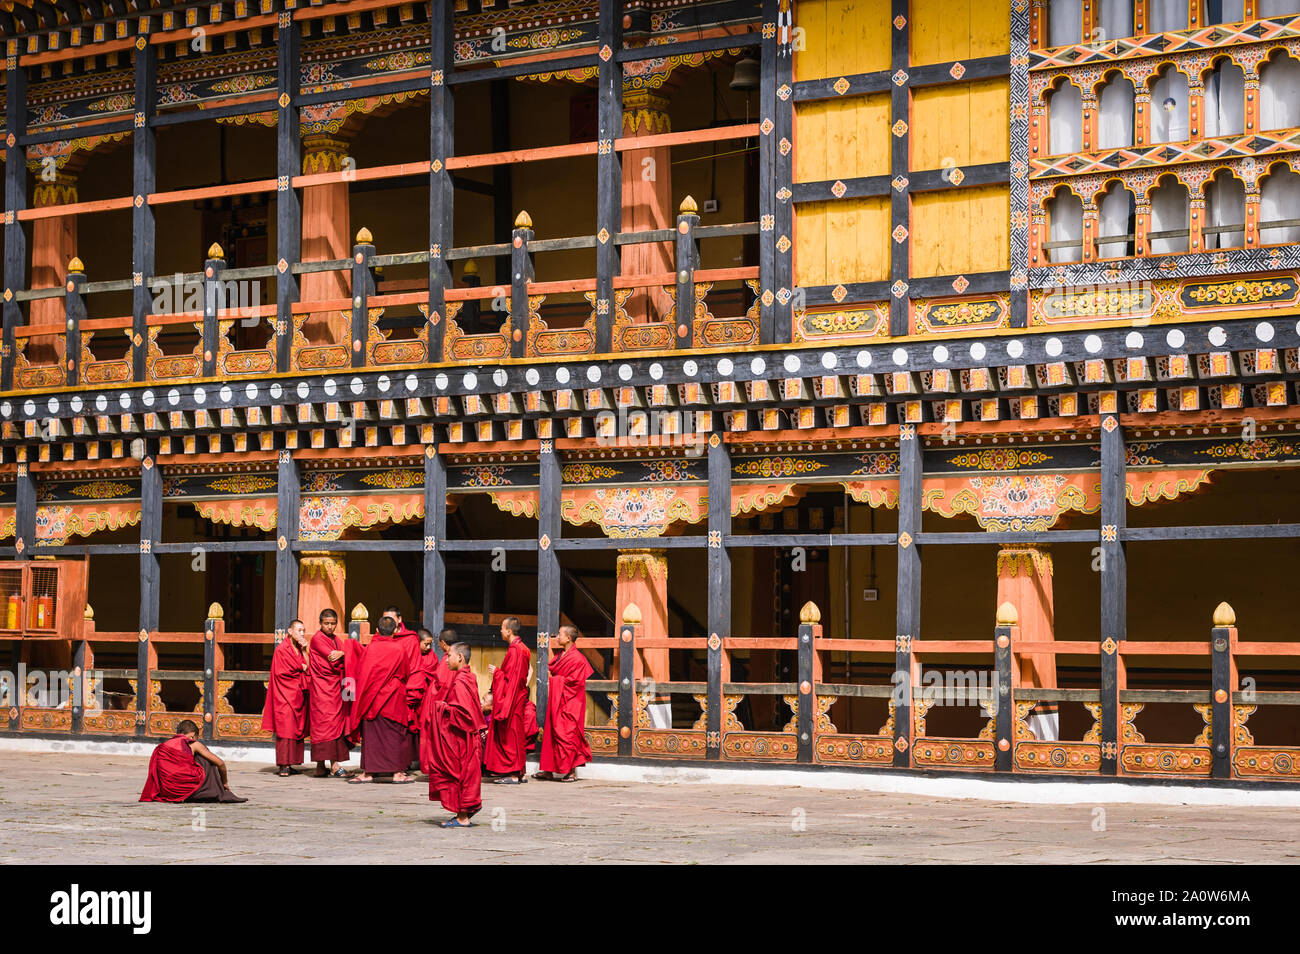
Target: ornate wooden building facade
945	352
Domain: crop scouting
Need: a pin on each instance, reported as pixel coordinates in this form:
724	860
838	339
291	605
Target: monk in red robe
564	743
380	709
530	725
326	670
182	769
506	749
453	753
286	712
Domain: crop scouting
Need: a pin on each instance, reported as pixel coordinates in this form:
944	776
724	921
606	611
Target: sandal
403	781
358	780
452	823
571	777
506	780
339	772
285	773
544	776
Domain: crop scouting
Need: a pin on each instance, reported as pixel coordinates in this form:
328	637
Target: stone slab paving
82	809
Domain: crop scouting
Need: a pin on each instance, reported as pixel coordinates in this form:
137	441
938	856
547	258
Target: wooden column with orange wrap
647	201
326	236
321	578
643	579
54	244
1025	581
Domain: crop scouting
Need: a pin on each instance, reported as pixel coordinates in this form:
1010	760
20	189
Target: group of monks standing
402	702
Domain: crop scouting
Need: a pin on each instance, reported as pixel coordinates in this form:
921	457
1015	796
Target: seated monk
564	740
454	746
182	769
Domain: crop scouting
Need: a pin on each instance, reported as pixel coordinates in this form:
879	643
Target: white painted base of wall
1021	790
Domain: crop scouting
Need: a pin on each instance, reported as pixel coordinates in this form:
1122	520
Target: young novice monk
452	723
183	770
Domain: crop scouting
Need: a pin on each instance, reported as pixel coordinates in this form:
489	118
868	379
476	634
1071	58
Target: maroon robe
530	724
286	712
174	772
381	681
451	751
328	709
353	653
506	747
564	741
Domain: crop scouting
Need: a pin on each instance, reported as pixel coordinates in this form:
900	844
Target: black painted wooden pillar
363	286
627	682
521	273
288	491
549	529
435	531
213	302
806	699
899	164
74	307
1114	573
151	501
781	232
209	679
144	178
25	514
1004	702
78	701
15	261
767	177
609	168
687	260
442	146
1223	683
908	614
719	587
288	204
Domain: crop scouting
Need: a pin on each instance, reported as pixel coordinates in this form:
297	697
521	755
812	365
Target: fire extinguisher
15	611
43	613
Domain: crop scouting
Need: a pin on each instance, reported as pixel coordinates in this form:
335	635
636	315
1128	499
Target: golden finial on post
631	614
810	614
1008	615
471	268
524	220
75	267
1225	615
215	611
359	613
88	613
688	206
214	251
364	237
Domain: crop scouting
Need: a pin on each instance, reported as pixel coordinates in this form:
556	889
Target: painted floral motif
1139	454
487	476
777	467
321	518
320	482
1262	448
1016	502
242	483
586	473
52	524
173	486
101	489
667	470
396	479
1002	458
877	464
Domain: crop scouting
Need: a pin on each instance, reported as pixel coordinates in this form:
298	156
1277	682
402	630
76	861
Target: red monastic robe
451	752
564	743
353	653
286	712
530	724
381	682
325	679
505	742
174	772
421	683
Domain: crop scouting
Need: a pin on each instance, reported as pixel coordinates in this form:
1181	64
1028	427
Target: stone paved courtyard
76	808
